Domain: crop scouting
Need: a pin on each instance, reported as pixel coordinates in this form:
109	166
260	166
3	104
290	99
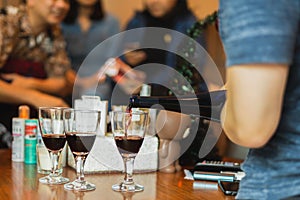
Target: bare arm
254	101
54	85
18	95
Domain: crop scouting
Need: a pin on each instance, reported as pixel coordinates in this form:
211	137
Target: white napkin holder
105	158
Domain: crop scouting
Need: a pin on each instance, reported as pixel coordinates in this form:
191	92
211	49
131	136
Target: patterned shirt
18	42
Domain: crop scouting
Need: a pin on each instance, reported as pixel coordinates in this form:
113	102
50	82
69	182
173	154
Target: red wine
54	142
128	119
81	143
129	144
129	108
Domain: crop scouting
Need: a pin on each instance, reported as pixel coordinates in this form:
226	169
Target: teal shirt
256	31
80	44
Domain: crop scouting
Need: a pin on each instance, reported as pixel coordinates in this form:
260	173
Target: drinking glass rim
136	112
82	110
52	107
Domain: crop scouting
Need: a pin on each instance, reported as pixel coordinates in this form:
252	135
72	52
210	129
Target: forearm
16	95
12	94
55	85
50	85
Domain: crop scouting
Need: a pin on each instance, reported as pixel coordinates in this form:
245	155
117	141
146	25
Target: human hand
129	86
135	57
91	81
216	87
136	75
129	80
114	66
130	72
18	80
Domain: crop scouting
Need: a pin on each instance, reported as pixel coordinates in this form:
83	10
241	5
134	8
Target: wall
124	9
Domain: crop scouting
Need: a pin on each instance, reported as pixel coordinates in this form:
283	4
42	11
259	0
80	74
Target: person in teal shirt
166	14
262	45
86	26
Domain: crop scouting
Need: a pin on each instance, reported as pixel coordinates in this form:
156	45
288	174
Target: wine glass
80	128
52	131
129	131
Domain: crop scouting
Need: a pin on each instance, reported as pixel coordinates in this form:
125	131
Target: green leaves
183	65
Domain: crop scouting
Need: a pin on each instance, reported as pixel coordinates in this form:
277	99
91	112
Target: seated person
34	67
168	14
155	50
86	26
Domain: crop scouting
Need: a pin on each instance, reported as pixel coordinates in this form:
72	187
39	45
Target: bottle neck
204	104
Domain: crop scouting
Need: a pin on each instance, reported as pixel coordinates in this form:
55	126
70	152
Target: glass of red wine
53	134
80	128
129	130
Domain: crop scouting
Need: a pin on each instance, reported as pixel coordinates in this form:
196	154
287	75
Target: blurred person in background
33	62
169	14
86	26
34	67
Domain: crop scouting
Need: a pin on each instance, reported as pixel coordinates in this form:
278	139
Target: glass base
53	180
80	186
122	187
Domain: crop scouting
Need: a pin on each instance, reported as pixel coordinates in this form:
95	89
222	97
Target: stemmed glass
52	130
129	131
81	127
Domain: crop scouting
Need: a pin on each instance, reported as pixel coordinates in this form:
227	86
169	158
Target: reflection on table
20	182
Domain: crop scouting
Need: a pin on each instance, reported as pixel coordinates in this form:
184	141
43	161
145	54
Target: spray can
30	141
18	132
24	112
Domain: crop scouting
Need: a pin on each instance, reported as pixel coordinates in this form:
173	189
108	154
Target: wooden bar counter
20	182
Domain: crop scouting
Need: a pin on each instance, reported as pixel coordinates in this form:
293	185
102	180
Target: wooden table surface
20	182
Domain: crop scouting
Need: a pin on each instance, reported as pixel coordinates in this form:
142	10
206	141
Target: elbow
250	137
252	131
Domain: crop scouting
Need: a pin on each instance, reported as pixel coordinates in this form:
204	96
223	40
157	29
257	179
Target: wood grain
20	182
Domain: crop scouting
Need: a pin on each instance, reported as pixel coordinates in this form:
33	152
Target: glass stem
128	166
80	160
54	160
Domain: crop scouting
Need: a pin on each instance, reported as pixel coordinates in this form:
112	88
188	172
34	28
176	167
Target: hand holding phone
133	54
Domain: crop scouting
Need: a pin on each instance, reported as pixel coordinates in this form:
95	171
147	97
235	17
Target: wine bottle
207	105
